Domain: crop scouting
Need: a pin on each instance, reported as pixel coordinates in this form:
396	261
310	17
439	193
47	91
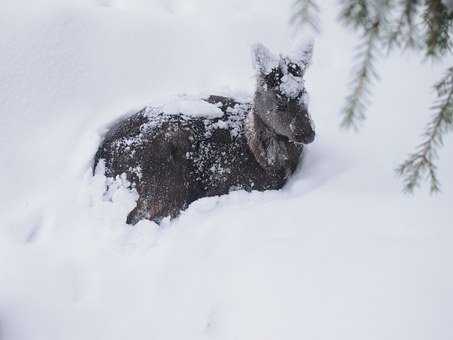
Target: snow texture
292	86
339	253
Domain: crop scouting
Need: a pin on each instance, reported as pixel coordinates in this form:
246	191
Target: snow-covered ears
263	59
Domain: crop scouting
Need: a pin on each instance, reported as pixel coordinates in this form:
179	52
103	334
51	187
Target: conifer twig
421	163
438	23
355	13
406	26
356	103
306	12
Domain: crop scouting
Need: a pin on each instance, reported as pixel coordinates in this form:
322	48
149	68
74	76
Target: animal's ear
263	59
302	55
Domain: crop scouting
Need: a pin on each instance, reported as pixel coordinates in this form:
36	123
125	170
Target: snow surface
339	253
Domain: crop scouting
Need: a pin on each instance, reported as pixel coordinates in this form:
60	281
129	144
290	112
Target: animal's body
175	159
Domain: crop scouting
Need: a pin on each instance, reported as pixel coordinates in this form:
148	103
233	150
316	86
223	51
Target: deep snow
339	253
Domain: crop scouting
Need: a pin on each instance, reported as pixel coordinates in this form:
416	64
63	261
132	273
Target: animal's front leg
164	194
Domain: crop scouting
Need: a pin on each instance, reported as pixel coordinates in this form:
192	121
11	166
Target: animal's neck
270	152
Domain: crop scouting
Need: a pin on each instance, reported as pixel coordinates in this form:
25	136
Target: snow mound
188	106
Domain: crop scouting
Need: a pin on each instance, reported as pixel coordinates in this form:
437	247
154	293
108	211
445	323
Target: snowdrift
339	253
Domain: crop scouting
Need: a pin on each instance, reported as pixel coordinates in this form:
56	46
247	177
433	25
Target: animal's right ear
263	59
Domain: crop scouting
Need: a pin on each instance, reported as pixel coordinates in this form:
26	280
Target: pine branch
355	13
356	103
406	34
306	12
422	163
438	23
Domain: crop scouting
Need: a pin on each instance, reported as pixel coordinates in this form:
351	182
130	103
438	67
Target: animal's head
280	98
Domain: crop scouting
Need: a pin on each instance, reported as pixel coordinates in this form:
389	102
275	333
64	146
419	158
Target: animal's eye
282	106
274	78
295	70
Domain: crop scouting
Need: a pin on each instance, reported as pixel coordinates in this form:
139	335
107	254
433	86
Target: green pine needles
421	25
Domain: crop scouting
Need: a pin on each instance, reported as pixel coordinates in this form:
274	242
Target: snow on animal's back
216	112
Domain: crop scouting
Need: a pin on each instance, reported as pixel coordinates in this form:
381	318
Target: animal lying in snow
174	158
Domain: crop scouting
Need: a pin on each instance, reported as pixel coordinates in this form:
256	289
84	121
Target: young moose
175	159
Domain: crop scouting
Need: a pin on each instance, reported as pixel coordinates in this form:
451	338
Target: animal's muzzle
309	138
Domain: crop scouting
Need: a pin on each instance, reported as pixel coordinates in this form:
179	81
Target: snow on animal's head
280	98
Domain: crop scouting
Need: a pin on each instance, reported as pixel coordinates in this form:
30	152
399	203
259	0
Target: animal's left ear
302	55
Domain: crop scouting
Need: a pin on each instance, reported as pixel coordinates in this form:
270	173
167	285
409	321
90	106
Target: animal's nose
309	138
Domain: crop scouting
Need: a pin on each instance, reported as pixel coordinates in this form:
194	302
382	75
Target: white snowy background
339	253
